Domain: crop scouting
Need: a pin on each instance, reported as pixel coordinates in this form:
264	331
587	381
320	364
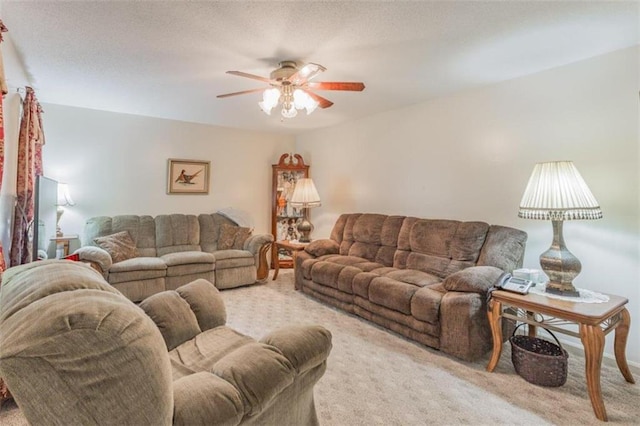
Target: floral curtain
3	87
30	142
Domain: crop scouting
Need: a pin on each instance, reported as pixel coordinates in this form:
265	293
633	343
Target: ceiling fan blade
244	92
337	85
322	102
306	73
252	76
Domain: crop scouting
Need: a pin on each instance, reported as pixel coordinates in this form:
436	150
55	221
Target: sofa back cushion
176	233
371	236
503	248
210	230
440	247
142	230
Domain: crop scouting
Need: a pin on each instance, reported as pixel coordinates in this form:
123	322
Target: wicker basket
539	361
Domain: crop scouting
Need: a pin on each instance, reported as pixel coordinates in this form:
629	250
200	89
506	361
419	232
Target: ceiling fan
292	86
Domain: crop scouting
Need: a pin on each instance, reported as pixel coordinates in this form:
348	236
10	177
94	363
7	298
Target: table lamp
305	196
557	192
64	200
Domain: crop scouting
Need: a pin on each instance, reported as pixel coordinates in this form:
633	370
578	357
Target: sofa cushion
414	277
425	305
120	246
210	230
477	279
392	294
136	269
503	248
141	228
205	302
259	371
173	317
232	237
188	258
207	348
232	258
319	248
177	232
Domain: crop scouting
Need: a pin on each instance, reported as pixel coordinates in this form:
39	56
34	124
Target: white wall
117	164
469	157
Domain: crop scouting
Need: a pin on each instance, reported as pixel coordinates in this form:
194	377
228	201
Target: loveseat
143	255
75	351
425	279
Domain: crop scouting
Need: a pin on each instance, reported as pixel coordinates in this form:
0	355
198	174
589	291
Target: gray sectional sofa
425	279
171	250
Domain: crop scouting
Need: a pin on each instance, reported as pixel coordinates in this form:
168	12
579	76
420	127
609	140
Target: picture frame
187	176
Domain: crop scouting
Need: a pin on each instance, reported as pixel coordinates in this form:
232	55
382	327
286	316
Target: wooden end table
291	247
593	320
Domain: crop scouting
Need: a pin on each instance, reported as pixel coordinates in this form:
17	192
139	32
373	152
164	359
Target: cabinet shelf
284	219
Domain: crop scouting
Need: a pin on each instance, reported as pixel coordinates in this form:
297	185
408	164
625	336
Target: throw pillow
119	245
477	279
232	237
75	257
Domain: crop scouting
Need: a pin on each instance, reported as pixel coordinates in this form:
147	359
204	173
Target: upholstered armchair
73	350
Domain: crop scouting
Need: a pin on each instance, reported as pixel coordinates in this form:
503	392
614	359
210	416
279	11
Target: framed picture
187	176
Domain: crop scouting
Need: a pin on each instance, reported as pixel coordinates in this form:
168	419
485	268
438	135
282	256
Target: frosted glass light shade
556	191
305	194
64	196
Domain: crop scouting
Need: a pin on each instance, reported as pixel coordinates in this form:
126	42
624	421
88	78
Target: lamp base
304	228
560	265
59	212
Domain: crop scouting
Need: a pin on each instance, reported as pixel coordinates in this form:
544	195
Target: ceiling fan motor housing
286	69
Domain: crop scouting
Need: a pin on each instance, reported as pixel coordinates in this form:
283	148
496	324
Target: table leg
533	331
495	321
592	338
263	265
276	267
620	345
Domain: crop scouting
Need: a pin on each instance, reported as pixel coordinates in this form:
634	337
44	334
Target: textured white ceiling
168	59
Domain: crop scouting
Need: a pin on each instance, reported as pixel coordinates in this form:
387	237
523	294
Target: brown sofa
75	351
172	250
425	279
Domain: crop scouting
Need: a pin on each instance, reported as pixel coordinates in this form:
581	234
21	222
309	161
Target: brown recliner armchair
73	350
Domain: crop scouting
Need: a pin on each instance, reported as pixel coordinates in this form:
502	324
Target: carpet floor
375	377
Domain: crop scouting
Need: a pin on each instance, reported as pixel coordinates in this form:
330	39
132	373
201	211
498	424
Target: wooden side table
593	320
64	241
291	247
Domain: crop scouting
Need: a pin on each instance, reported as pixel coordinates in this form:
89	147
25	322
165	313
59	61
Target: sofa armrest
259	245
322	247
204	398
259	372
97	256
304	346
476	279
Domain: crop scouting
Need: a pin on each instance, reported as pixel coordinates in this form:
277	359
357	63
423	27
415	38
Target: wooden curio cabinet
284	217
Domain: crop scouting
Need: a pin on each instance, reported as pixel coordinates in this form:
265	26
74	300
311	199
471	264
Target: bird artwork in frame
187	176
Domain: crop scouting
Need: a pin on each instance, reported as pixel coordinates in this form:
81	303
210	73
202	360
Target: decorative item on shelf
64	200
557	192
305	196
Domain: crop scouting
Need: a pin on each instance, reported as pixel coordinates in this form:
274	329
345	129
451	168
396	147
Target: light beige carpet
375	377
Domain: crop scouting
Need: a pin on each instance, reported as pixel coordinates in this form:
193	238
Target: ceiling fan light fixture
291	87
289	112
270	99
